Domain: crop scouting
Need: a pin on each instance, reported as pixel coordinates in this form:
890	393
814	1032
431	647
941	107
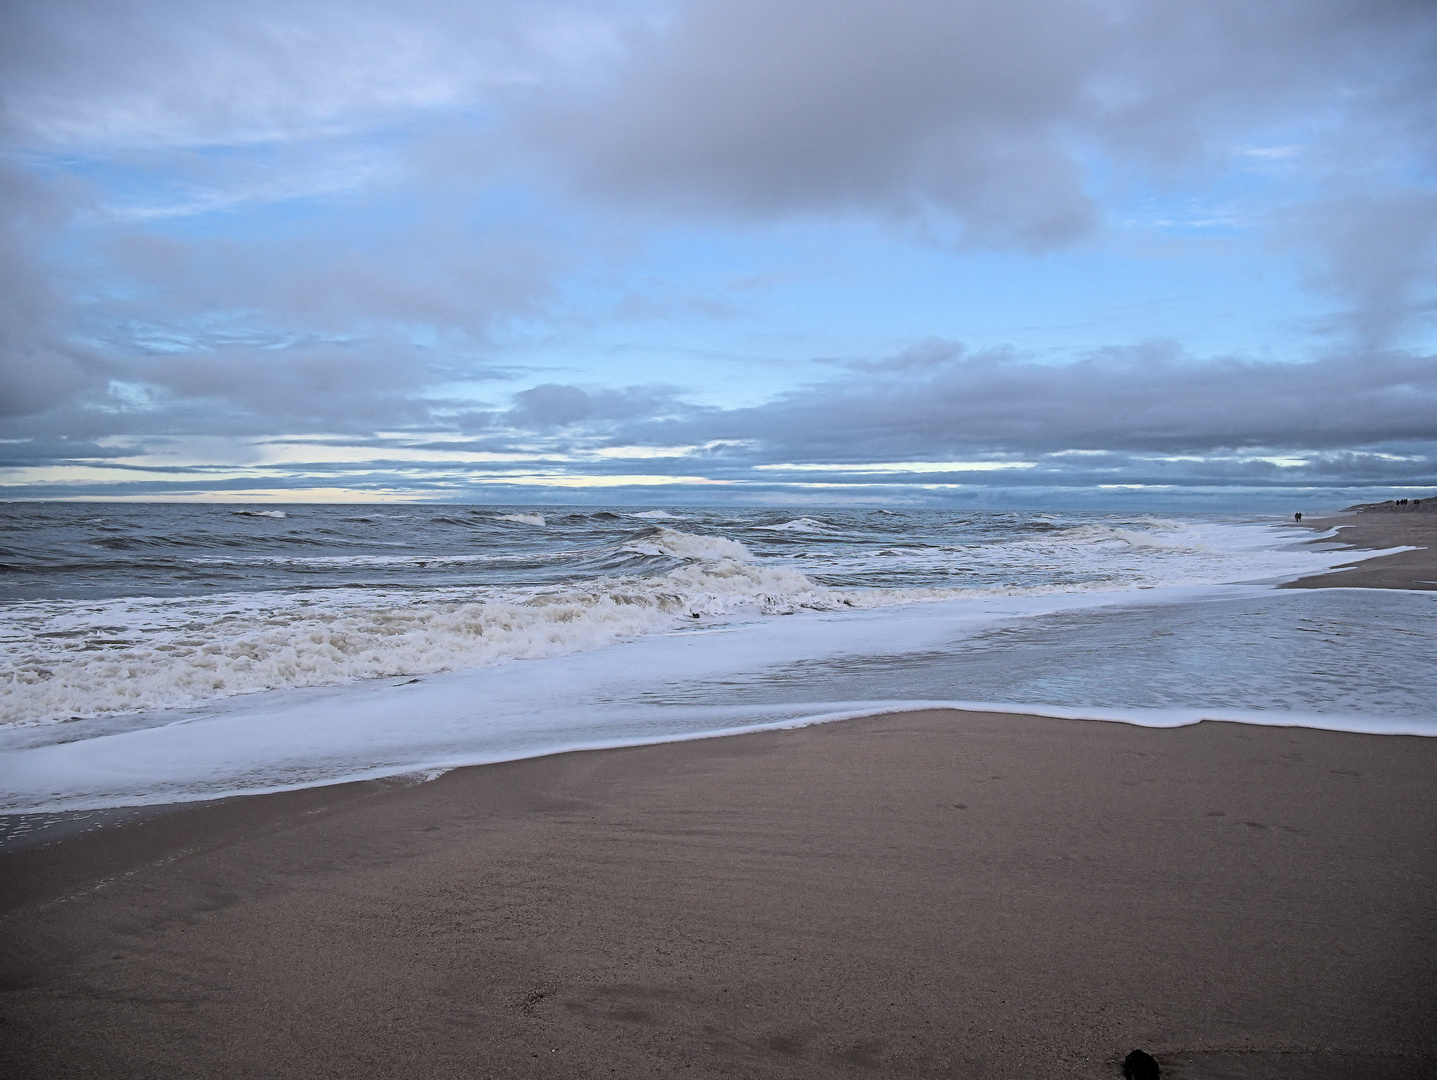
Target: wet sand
937	894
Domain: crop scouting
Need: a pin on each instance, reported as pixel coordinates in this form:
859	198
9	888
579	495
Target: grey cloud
985	110
316	388
313	331
38	365
921	356
774	107
1188	82
339	278
554	405
319	320
1413	462
46	449
240	390
1151	399
1378	256
173	72
347	390
1146	415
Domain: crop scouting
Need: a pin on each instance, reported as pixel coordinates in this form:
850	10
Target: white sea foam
522	519
655	515
260	513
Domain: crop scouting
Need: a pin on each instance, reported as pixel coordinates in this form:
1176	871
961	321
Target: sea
163	653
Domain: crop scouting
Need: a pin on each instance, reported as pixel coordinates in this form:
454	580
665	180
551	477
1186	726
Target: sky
1000	254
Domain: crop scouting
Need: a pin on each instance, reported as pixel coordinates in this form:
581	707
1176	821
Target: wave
260	513
1152	540
522	519
353	561
682	545
140	655
800	525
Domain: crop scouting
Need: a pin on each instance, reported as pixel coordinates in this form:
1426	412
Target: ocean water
153	653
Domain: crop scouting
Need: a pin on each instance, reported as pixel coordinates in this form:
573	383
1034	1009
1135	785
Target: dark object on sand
1140	1065
1297	516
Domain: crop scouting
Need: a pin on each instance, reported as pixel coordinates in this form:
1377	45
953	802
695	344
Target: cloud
770	108
1151	399
1137	420
1377	254
942	414
556	405
172	73
38	365
236	390
322	387
551	405
990	112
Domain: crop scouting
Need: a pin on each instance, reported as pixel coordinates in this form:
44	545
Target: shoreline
33	829
932	894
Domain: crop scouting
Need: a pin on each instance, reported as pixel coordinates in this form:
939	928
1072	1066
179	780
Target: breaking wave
799	525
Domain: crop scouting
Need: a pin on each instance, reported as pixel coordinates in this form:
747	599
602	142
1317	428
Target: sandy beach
941	894
1382	525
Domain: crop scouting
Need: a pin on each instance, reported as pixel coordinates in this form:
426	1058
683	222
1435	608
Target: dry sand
937	894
